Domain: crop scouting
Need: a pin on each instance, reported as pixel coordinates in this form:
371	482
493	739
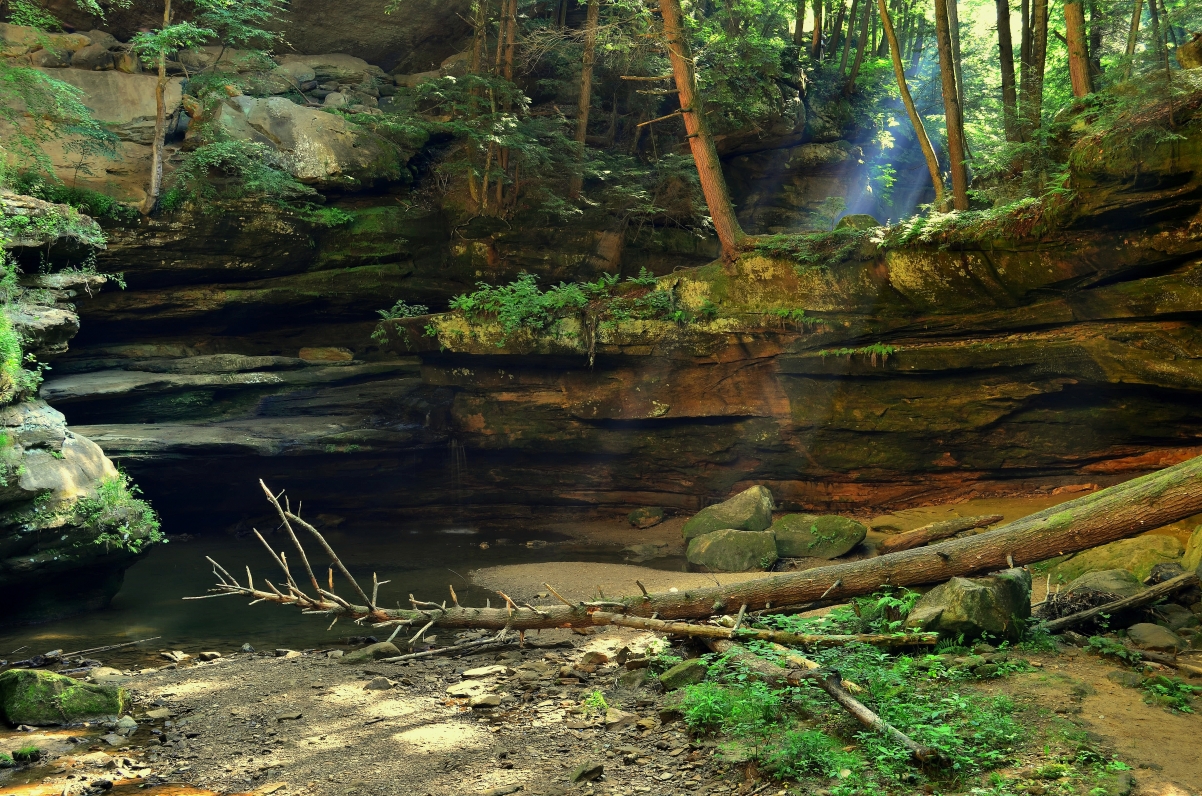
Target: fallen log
1143	598
775	636
934	532
1120	511
830	682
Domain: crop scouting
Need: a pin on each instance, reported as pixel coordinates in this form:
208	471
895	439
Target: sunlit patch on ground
441	737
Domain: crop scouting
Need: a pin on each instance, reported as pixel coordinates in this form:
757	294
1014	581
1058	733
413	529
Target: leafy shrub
121	518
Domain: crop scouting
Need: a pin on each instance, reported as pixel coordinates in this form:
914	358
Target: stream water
420	560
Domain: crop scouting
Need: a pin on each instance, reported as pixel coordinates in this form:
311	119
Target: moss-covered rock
750	510
1193	551
816	535
685	673
1119	582
1138	555
38	698
733	551
997	604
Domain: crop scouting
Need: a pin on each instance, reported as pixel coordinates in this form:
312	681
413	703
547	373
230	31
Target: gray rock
93	58
646	517
336	99
632	679
1119	582
106	40
247	647
333	67
1124	677
372	652
1148	636
619	719
49	58
485	701
587	772
997	604
750	510
318	148
1175	617
817	536
685	673
378	684
857	221
733	551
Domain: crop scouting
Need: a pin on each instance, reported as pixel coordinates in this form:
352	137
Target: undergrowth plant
121	519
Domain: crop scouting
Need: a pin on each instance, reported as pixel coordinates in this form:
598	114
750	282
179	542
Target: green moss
40	698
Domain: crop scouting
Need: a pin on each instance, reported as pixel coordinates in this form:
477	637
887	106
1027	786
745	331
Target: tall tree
1024	45
953	17
1097	29
479	34
851	27
1031	99
836	34
160	125
1006	61
799	34
920	132
1133	37
919	44
586	86
816	38
951	107
850	85
1078	51
705	155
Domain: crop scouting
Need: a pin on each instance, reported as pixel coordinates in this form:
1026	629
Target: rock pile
739	534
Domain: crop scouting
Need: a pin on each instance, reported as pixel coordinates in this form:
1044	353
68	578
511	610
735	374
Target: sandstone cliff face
69	526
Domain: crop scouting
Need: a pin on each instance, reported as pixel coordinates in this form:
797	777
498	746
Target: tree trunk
851	27
799	35
816	37
920	132
953	24
833	41
1032	104
480	24
586	86
951	108
934	532
511	38
1096	30
1078	51
705	156
920	44
1133	37
1006	52
160	127
1024	52
1128	509
861	45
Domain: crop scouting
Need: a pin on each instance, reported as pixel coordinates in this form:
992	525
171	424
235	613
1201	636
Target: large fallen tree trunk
943	529
1120	511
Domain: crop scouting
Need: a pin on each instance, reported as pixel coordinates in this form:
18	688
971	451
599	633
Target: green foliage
85	200
228	169
120	518
241	23
150	45
818	249
1170	693
595	703
808	753
1112	648
871	351
396	311
520	304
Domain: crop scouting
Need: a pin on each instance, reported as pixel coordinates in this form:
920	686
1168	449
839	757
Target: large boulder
94	58
1117	582
1148	636
733	551
1192	559
123	102
684	673
998	604
39	699
750	510
336	67
319	148
816	536
18	40
1189	55
1138	555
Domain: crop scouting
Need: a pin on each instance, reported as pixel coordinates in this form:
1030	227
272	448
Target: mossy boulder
750	510
646	517
816	535
1138	555
1193	551
1119	582
38	698
858	221
998	604
729	550
372	652
688	672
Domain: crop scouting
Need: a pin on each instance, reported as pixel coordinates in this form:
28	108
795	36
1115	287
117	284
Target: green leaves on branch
169	41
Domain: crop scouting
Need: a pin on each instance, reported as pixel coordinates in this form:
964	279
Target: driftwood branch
1115	513
776	636
1151	595
934	532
